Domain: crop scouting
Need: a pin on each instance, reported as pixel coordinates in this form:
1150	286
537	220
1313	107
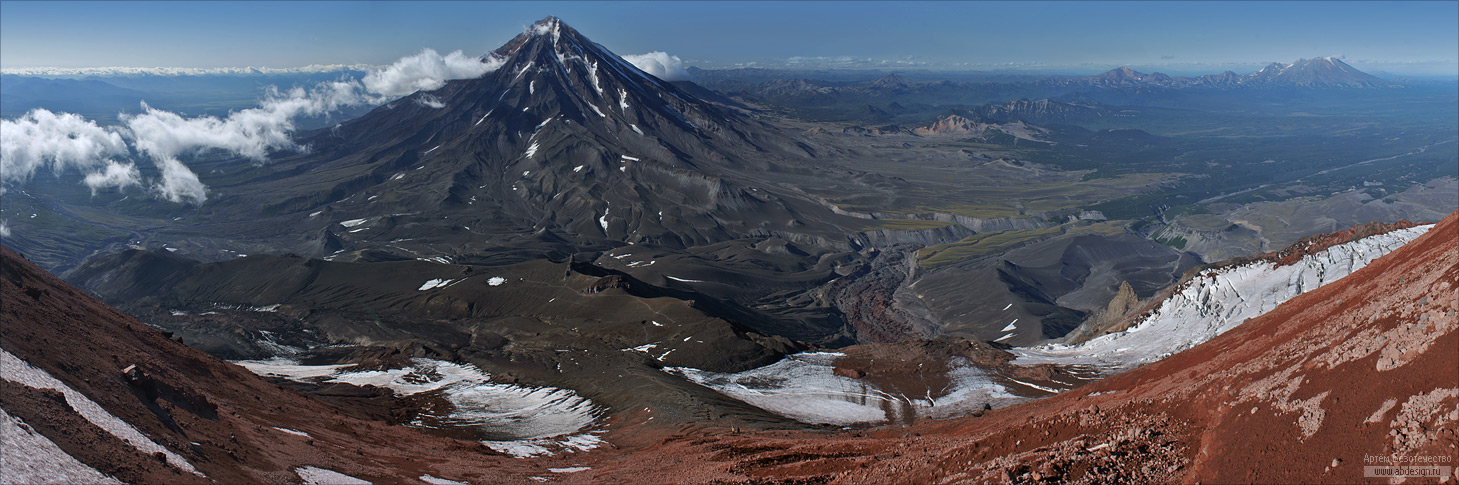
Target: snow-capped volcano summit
1317	71
564	139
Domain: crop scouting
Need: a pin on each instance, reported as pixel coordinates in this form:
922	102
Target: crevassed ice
1211	305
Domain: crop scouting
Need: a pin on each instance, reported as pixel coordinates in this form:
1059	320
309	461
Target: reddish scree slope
1365	367
195	397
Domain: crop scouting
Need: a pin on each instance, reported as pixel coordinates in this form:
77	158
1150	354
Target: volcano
565	146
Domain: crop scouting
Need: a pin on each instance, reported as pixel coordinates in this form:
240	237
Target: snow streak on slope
14	369
804	387
501	411
29	457
1212	304
320	476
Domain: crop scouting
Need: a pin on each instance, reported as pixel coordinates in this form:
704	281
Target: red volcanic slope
192	397
1360	372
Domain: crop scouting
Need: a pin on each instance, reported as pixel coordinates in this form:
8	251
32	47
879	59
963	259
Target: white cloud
430	101
178	71
660	64
60	141
63	140
427	71
114	175
179	184
251	132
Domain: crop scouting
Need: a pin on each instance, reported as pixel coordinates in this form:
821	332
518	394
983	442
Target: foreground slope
1308	392
191	418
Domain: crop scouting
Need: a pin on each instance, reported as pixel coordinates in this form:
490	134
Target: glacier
1216	302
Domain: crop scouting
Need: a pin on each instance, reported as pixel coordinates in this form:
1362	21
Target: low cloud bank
61	141
660	64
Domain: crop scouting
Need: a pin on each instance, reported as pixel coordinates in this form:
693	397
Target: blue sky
1411	38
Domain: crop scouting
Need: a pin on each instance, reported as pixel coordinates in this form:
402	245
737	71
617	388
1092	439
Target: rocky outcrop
956	125
1112	318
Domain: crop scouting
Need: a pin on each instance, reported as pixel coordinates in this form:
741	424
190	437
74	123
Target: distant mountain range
1315	72
1320	72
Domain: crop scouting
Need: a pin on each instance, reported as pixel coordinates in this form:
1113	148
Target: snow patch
293	432
643	348
497	411
1035	386
440	481
805	387
30	457
496	281
571	469
548	446
1011	326
289	369
596	110
15	370
593	76
433	284
532	150
320	476
683	280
